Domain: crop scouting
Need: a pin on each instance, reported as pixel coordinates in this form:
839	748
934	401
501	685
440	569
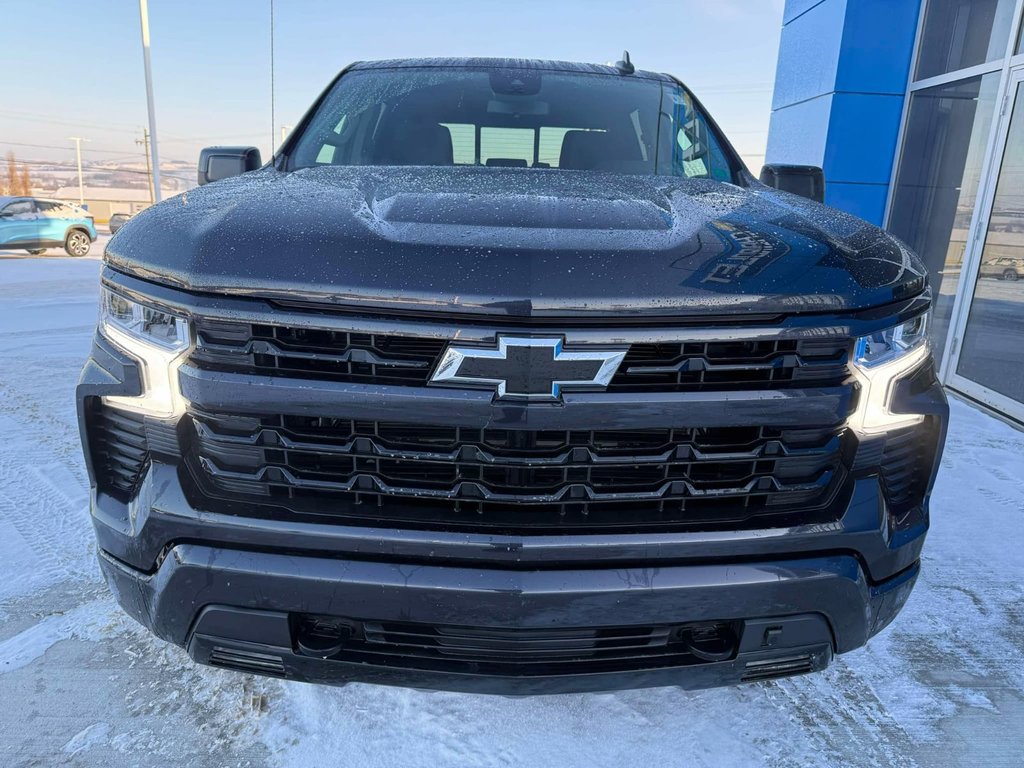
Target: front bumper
233	607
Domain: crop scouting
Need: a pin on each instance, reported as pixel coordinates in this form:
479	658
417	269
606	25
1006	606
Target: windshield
526	118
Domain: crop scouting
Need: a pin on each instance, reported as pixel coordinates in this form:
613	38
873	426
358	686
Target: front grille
517	652
314	353
905	465
410	360
118	446
729	365
515	481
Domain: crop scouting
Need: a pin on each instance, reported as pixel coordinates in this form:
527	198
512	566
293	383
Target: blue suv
35	225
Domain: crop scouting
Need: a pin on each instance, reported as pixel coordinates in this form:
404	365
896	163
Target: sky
212	62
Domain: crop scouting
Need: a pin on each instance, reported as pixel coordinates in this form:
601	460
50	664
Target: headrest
415	142
589	150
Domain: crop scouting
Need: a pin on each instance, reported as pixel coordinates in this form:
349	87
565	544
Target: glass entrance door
989	362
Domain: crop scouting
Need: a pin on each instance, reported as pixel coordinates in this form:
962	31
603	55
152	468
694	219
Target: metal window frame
947	77
1014	90
995	145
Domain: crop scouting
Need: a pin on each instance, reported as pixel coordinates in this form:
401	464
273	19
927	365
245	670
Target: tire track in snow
836	708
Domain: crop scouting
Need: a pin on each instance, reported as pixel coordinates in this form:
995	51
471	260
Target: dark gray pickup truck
507	376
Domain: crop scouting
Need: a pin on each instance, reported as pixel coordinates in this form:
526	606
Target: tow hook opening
710	641
321	637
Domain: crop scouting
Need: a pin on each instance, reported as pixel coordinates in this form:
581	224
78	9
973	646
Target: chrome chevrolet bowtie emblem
527	368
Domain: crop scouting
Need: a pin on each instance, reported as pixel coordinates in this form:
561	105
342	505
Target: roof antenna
625	66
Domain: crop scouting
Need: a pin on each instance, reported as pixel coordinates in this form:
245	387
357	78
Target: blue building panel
838	101
795	8
809	53
864	200
798	135
862	133
878	43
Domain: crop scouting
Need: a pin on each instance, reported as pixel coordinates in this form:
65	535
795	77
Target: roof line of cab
549	65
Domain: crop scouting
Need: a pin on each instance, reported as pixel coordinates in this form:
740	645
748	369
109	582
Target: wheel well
77	228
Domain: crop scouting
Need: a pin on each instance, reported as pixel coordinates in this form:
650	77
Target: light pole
78	152
154	156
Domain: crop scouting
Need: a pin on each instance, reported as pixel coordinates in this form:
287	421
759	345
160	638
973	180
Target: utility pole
144	141
285	130
273	119
152	153
78	152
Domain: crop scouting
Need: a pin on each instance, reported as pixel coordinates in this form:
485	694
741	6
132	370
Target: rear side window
523	118
57	209
53	208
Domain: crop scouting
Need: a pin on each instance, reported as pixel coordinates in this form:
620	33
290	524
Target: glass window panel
962	33
463	142
945	138
992	352
511	117
506	145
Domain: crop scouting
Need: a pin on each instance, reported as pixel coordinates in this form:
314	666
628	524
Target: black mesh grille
409	360
693	366
518	652
516	480
119	448
905	465
314	353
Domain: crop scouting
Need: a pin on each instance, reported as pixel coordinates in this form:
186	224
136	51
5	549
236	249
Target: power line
55	146
28	116
231	137
71	166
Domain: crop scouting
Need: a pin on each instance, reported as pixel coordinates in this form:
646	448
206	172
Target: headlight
880	360
158	341
147	324
892	343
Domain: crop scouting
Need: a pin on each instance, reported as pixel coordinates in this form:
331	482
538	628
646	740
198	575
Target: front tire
77	243
1011	275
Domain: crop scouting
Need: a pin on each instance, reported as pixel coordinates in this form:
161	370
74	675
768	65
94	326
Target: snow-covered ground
81	684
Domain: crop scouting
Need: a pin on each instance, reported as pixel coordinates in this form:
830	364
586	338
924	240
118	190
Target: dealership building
915	111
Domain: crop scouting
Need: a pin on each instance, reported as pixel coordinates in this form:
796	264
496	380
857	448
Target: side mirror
216	163
804	180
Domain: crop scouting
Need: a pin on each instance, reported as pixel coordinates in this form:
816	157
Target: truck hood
515	242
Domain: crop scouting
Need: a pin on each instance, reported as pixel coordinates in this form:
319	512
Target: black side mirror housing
216	163
804	180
